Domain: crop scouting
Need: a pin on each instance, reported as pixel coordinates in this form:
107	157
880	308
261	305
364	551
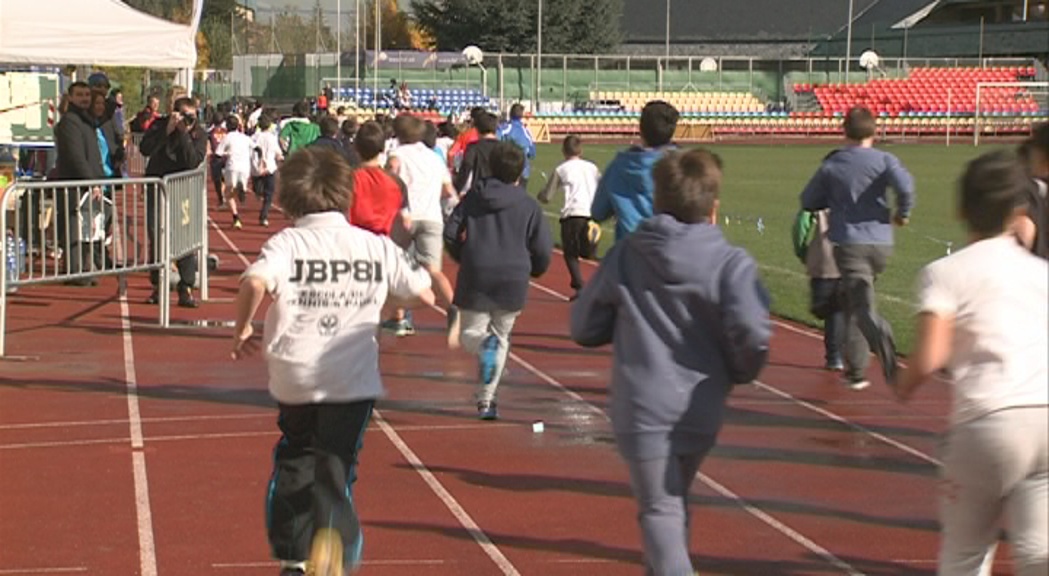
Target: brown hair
409	129
572	146
370	140
687	184
859	124
992	187
315	179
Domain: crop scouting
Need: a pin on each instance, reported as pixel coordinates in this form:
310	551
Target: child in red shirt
378	195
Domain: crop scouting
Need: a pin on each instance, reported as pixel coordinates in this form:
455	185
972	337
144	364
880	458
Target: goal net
1003	108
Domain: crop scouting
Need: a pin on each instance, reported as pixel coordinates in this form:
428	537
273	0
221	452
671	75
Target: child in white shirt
236	147
578	178
266	155
329	281
983	316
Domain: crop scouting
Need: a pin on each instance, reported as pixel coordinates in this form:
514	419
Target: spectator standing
79	158
175	143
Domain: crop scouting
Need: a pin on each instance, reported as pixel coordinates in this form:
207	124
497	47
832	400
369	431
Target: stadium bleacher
927	101
445	101
936	91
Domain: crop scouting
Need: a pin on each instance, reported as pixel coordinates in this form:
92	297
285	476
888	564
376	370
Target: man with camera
175	143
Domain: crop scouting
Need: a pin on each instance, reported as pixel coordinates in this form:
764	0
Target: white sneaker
857	385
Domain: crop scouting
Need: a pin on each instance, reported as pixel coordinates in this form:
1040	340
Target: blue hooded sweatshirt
626	189
516	132
688	317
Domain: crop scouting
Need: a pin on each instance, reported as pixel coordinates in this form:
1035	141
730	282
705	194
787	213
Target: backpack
802	233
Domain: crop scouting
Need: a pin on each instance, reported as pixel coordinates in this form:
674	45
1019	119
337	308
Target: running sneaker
857	384
454	325
834	366
487	411
487	359
326	554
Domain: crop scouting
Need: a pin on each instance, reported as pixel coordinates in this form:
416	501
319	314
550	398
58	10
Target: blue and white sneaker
488	358
487	411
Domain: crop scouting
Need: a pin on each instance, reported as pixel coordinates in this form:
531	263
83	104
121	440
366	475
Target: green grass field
765	182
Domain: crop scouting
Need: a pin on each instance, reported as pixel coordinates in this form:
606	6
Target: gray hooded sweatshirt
688	317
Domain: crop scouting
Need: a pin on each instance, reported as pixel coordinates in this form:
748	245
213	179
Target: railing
77	231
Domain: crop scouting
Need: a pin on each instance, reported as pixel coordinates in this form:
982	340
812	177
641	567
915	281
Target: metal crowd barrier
78	231
187	225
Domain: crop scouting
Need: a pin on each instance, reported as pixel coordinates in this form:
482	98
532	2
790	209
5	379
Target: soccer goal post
1006	106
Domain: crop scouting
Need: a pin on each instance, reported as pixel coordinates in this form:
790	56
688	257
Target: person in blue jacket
515	131
625	191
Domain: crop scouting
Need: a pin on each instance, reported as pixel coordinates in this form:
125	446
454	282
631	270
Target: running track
128	450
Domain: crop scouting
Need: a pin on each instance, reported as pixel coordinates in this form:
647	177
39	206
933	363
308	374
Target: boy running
688	318
579	179
427	181
264	165
378	195
237	149
853	182
499	236
625	193
328	280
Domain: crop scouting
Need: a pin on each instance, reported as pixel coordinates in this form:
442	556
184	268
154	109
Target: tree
569	26
398	30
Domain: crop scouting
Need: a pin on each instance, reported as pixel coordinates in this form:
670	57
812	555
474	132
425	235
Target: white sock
289	564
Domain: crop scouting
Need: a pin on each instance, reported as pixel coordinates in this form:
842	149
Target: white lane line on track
58	570
805	404
845	421
245	434
447	499
32	425
780	527
431	481
389	562
232	246
143	512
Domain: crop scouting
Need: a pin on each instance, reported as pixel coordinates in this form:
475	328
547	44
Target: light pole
668	31
378	49
848	44
357	52
338	51
539	60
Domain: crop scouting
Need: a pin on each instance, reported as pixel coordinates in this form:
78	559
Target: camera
189	119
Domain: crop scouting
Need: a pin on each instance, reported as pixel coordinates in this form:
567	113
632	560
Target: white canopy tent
96	33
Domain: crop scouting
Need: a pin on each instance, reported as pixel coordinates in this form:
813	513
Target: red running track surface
131	450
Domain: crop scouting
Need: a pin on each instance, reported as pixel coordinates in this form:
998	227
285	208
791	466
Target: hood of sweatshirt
674	248
495	195
635	167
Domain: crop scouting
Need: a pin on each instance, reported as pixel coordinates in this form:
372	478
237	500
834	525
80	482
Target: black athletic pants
576	244
314	468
